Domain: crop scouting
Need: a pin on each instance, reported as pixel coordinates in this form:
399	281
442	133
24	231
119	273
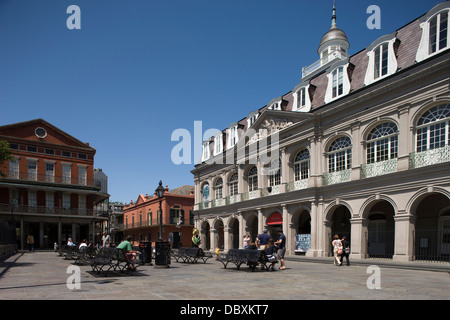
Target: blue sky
139	69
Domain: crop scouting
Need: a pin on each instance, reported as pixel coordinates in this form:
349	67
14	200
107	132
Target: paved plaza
44	275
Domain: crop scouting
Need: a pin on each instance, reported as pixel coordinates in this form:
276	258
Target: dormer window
205	151
438	32
251	119
382	59
275	106
232	136
302	99
435	32
338	81
218	144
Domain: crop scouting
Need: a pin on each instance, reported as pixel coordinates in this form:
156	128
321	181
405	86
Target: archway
432	228
234	233
274	224
340	225
219	234
380	233
251	227
205	236
303	232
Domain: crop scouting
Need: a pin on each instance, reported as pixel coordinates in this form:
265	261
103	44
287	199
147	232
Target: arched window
433	128
382	143
340	155
301	165
218	188
205	192
233	184
435	27
438	33
253	179
275	174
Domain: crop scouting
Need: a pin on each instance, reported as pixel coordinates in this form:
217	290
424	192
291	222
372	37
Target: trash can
162	255
145	248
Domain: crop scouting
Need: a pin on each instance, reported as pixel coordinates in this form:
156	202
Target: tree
5	155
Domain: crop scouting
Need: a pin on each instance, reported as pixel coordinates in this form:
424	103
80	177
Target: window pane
384	61
433	34
443	30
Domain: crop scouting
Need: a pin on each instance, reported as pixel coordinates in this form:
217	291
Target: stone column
286	228
212	238
405	138
358	245
241	230
404	242
357	151
313	251
226	238
260	221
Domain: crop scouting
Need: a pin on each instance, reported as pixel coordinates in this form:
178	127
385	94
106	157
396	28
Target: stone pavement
43	275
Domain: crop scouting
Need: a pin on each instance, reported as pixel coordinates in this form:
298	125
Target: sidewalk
44	275
387	263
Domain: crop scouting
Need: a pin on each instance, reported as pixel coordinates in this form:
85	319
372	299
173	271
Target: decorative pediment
42	131
272	121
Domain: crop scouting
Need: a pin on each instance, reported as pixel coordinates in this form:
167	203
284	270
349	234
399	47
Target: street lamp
162	254
160	193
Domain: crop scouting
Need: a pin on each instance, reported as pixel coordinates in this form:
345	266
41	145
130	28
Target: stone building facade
362	145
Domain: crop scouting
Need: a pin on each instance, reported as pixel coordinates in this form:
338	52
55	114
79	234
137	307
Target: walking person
30	242
337	250
106	240
345	250
246	241
281	244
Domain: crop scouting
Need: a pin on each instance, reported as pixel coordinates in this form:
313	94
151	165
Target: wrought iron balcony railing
21	209
429	157
47	178
336	177
378	168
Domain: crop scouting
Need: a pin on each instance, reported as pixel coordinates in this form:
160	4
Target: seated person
129	252
270	250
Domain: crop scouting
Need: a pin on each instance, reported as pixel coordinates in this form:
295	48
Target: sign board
302	242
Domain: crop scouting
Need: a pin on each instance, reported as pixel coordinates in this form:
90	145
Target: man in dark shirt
263	238
281	244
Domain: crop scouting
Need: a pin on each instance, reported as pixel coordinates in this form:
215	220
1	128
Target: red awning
275	218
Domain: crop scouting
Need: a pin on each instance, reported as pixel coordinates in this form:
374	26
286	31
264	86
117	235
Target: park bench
85	255
190	255
250	257
112	258
68	252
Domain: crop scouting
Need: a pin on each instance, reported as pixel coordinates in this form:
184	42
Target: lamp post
13	204
162	256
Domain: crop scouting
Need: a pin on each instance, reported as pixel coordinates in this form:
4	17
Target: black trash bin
162	255
145	248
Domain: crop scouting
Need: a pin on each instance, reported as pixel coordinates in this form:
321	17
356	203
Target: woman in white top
337	250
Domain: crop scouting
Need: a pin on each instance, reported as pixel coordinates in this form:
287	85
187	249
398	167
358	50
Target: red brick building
49	189
141	219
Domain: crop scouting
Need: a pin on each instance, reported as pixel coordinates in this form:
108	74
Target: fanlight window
340	155
253	179
218	188
233	184
433	128
301	165
382	143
